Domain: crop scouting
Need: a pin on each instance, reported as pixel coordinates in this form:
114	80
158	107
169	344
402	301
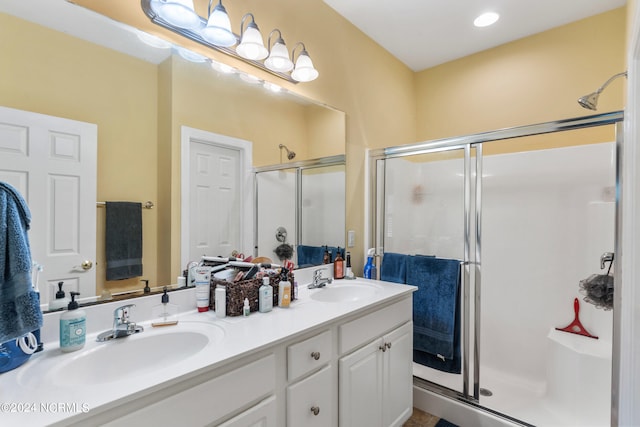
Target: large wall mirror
67	61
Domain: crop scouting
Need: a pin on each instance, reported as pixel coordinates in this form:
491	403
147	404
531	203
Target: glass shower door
426	210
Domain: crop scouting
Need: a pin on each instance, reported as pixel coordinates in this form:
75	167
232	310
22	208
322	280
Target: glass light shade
179	13
304	71
218	29
251	45
278	59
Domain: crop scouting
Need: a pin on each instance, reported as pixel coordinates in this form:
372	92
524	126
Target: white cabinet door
309	401
261	415
360	387
376	382
398	376
51	161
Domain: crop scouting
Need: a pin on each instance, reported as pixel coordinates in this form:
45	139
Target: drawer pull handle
315	355
383	348
388	345
315	410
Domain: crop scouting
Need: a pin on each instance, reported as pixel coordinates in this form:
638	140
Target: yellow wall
531	80
49	72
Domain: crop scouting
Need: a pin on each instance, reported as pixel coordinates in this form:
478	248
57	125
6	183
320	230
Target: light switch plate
351	238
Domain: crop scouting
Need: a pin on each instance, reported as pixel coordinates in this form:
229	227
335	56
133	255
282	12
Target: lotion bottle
284	290
246	309
221	301
265	296
73	326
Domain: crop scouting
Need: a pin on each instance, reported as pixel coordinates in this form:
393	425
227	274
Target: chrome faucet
318	280
122	326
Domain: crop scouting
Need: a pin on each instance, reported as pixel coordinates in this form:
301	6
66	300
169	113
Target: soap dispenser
61	300
284	290
166	314
73	326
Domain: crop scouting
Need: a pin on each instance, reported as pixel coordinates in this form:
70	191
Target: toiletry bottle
265	296
61	300
221	301
202	276
348	273
165	314
338	266
326	258
246	310
73	326
284	290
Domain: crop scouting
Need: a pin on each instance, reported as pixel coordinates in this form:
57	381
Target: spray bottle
370	268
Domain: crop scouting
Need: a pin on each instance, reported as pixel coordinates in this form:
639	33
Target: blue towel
19	304
436	330
310	255
394	267
123	240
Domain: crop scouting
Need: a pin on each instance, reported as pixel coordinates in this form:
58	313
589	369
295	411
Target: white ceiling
420	33
425	33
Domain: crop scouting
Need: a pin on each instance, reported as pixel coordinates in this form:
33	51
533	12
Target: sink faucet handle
121	314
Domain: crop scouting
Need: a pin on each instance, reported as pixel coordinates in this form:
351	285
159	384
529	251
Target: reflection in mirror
308	201
92	69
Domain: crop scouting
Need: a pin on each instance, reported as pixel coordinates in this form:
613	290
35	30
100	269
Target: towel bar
147	205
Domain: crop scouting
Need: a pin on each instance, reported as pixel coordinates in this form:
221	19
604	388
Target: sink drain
486	392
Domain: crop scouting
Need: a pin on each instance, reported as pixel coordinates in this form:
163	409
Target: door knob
86	264
315	410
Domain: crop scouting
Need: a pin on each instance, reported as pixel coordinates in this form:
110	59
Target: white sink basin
346	292
122	358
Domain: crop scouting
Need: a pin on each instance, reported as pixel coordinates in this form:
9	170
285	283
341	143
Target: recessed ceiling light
486	19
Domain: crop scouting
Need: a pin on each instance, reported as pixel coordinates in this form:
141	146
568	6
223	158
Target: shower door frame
299	167
376	199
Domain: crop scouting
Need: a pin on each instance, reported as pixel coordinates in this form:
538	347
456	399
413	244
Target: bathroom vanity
340	355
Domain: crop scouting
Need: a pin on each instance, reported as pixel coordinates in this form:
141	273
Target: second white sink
346	292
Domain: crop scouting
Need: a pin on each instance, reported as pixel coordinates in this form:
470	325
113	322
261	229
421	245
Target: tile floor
421	419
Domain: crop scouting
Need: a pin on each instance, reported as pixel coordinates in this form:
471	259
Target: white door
52	162
216	195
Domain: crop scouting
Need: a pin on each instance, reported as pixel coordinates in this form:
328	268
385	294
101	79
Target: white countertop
28	397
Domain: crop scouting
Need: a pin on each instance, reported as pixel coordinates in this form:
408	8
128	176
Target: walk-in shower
528	212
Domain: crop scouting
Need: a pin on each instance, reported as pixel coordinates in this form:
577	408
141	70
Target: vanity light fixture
218	29
215	32
251	45
303	71
179	13
278	59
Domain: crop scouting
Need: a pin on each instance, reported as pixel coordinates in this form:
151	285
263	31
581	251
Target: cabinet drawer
211	400
310	401
364	329
261	415
309	355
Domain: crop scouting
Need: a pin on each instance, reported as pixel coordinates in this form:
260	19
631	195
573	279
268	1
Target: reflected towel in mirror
123	240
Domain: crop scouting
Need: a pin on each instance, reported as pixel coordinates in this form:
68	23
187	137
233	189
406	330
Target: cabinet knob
388	345
315	410
383	347
315	355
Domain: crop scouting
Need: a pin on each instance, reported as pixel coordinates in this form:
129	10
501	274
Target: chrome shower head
290	154
590	101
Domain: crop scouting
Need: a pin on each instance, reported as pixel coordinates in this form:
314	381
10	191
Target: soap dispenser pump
73	326
166	314
61	300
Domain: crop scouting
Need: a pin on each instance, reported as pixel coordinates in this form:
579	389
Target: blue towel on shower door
310	255
436	308
394	267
